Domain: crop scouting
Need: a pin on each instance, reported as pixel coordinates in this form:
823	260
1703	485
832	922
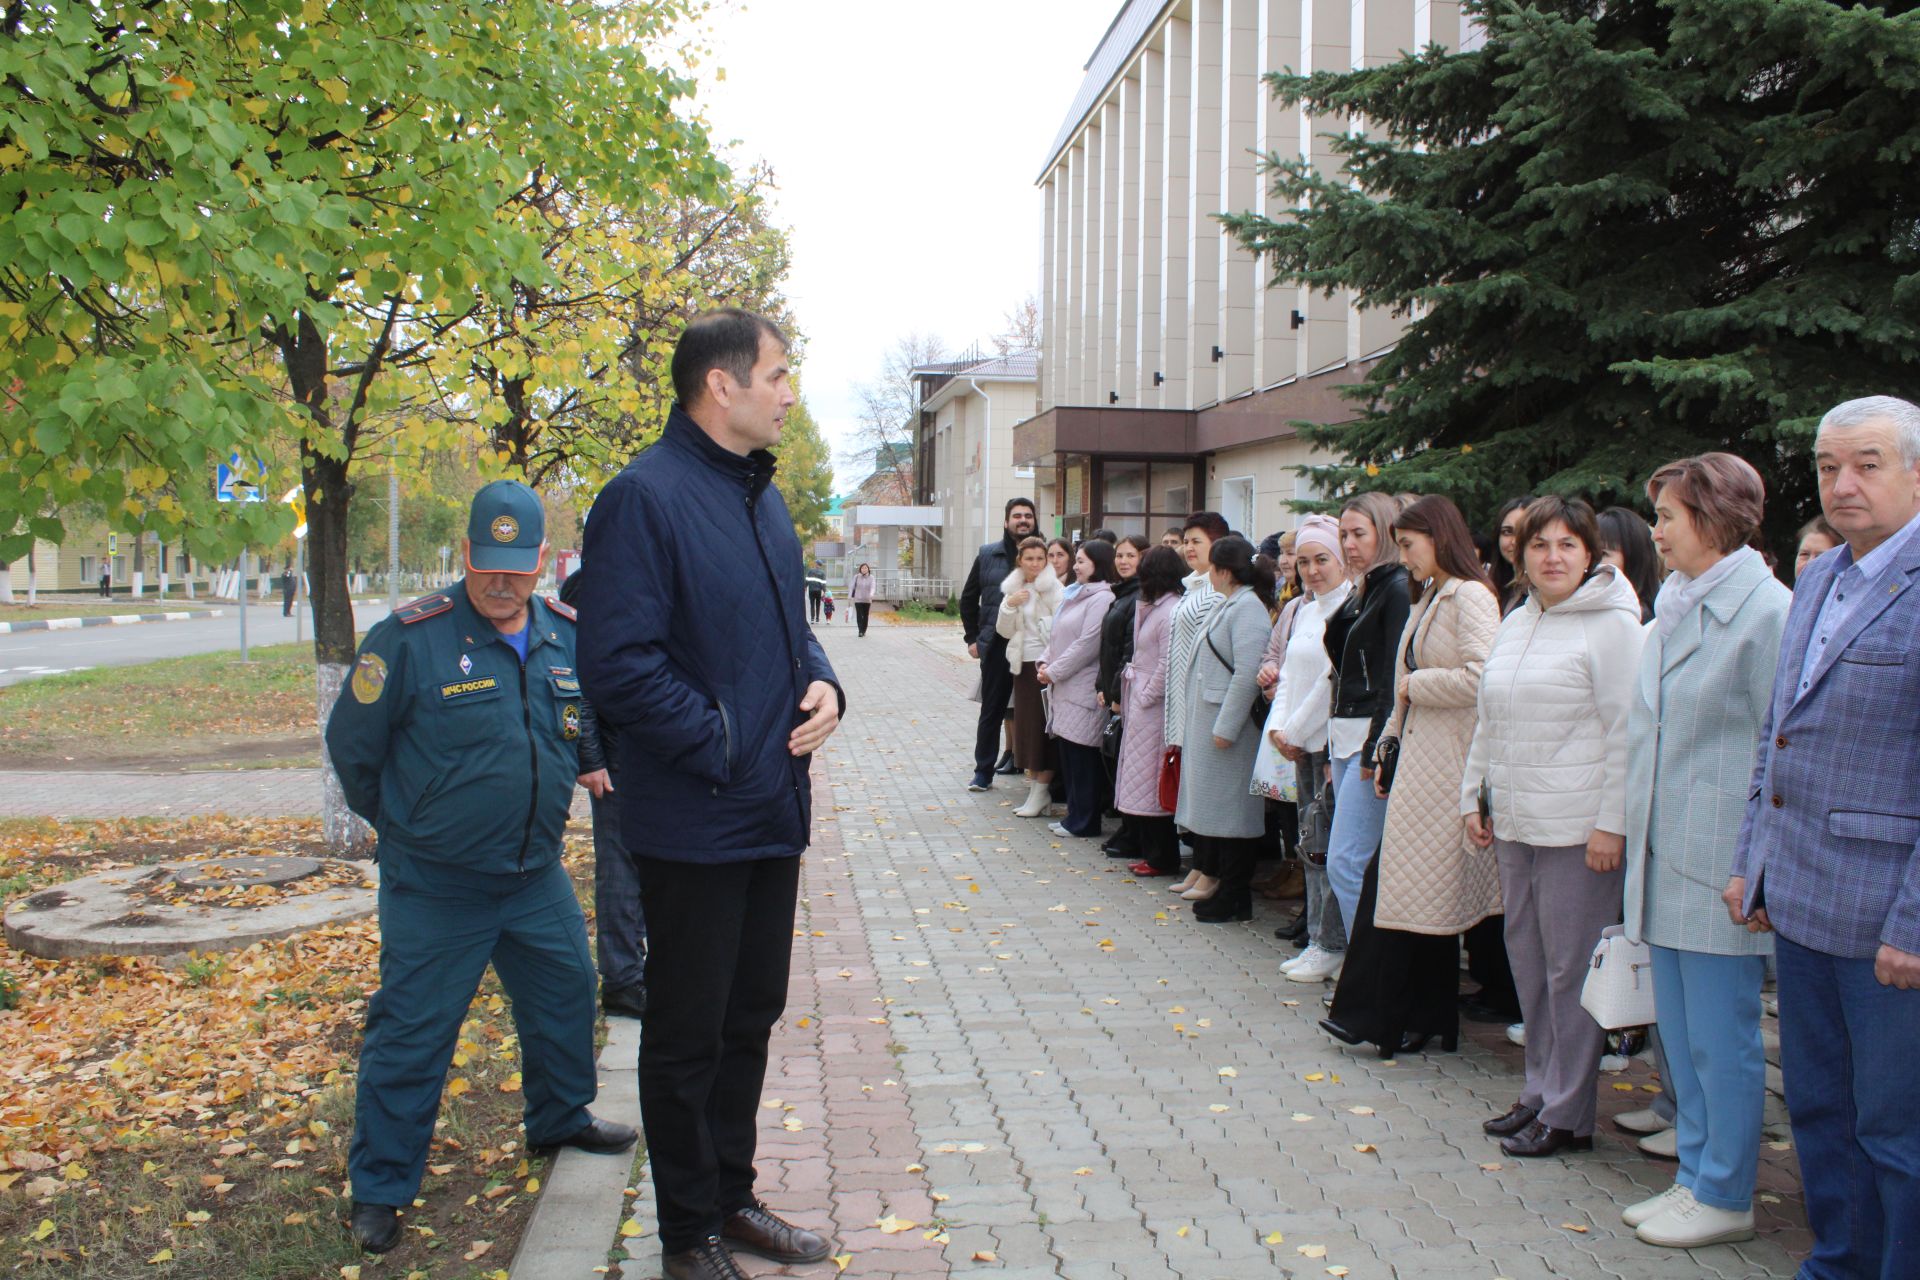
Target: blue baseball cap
505	529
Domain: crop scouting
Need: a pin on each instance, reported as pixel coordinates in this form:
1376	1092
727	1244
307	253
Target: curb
577	1220
106	620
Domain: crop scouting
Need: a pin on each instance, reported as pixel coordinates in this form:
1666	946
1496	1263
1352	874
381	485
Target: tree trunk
304	351
33	579
6	584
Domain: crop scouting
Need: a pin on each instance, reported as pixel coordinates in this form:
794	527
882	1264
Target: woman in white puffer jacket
1551	746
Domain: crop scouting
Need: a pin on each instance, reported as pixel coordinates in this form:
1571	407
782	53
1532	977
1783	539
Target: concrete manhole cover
216	904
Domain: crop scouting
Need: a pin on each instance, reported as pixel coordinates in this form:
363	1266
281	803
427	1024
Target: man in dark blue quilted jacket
694	645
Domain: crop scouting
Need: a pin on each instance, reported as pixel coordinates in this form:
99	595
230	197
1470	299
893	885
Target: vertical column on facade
1382	31
1273	307
1203	232
1325	28
1126	376
1092	145
1438	22
1057	333
1175	253
1047	389
1076	254
1239	188
1153	142
1108	359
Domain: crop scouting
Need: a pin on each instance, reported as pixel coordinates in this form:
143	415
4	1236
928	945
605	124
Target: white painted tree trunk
345	833
6	584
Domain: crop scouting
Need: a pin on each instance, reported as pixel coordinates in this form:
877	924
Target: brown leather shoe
708	1260
1518	1117
756	1230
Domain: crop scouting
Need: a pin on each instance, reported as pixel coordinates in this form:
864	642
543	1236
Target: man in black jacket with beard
979	607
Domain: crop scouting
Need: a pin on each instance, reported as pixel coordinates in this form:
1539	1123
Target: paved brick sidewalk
243	793
1075	1077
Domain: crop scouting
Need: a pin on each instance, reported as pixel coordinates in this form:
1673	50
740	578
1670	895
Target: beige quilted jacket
1432	879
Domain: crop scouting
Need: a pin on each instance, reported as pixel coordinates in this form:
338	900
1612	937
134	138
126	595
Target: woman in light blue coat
1705	679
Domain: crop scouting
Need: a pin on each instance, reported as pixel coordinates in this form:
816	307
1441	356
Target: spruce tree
1622	232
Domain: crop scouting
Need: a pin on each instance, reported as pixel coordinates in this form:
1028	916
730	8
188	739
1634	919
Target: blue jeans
1847	1049
1716	1069
1359	818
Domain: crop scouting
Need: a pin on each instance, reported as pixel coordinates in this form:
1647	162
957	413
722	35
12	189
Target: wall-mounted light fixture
1218	355
1113	397
1296	320
1159	378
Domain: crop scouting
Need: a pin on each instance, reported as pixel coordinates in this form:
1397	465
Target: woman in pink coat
1070	669
1143	699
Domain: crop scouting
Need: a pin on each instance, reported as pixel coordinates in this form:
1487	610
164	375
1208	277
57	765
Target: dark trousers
1084	771
619	925
813	606
1847	1049
719	948
996	688
438	930
861	608
1487	965
1159	847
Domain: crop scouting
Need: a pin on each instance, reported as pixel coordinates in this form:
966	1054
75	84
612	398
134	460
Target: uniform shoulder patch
566	611
425	607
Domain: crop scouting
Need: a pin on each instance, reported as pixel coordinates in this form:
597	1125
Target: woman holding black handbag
1428	883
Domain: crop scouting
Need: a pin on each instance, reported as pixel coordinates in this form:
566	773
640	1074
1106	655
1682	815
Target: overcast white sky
905	136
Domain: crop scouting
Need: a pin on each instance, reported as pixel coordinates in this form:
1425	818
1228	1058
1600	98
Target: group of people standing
1578	723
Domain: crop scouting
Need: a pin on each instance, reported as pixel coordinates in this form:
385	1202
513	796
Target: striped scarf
1189	624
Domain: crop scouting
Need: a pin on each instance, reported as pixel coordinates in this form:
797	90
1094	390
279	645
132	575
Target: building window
89	569
1236	505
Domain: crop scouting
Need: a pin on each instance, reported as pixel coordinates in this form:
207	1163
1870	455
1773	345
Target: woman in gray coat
1705	680
1220	736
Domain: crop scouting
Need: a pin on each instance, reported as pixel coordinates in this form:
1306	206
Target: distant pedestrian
695	649
816	591
463	709
826	603
862	594
106	582
979	618
288	584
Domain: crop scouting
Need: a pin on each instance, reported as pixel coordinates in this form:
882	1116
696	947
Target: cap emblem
505	528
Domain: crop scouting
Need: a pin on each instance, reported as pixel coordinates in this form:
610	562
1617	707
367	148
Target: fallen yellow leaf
891	1225
629	1229
1219	1107
44	1230
1182	1232
1363	1147
1360	1111
1336	1271
1311	1250
350	1272
1229	1073
1274	1237
1316	1077
1082	1172
165	1255
1574	1226
985	1255
479	1248
457	1086
840	1261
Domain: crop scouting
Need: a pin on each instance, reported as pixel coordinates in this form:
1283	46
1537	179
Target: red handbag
1170	779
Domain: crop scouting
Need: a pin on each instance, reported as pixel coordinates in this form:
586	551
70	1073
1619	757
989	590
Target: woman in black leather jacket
1116	650
1361	639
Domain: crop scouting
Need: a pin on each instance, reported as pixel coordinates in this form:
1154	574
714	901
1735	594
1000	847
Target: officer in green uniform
457	738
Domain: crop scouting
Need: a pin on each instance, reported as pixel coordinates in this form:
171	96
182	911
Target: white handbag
1618	991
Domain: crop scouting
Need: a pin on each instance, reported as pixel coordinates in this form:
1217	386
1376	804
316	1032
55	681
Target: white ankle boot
1038	794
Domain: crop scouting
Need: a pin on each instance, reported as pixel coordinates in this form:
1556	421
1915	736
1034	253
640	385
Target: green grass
915	611
89	607
173	713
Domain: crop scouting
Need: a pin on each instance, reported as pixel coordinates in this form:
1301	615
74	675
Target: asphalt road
45	653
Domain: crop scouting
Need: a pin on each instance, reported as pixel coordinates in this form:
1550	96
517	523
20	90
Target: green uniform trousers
438	931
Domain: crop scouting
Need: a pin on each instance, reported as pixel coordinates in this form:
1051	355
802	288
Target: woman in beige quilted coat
1428	884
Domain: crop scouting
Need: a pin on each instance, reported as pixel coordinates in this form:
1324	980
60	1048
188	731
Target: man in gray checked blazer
1827	850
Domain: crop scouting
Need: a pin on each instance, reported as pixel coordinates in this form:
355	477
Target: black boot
1006	767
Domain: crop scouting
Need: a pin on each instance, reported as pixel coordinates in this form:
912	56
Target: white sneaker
1688	1224
1646	1120
1653	1206
1036	802
1312	953
1517	1033
1060	829
1665	1144
1324	968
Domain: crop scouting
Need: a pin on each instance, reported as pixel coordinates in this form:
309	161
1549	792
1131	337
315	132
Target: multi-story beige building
1170	371
964	455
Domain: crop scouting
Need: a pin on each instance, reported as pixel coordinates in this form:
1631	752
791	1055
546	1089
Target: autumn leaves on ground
192	1119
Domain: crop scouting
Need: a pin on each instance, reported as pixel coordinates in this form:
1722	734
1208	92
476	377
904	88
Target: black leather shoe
1539	1140
624	1002
1006	768
1339	1032
600	1137
376	1227
1294	931
757	1230
708	1260
1411	1043
1518	1117
1221	910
